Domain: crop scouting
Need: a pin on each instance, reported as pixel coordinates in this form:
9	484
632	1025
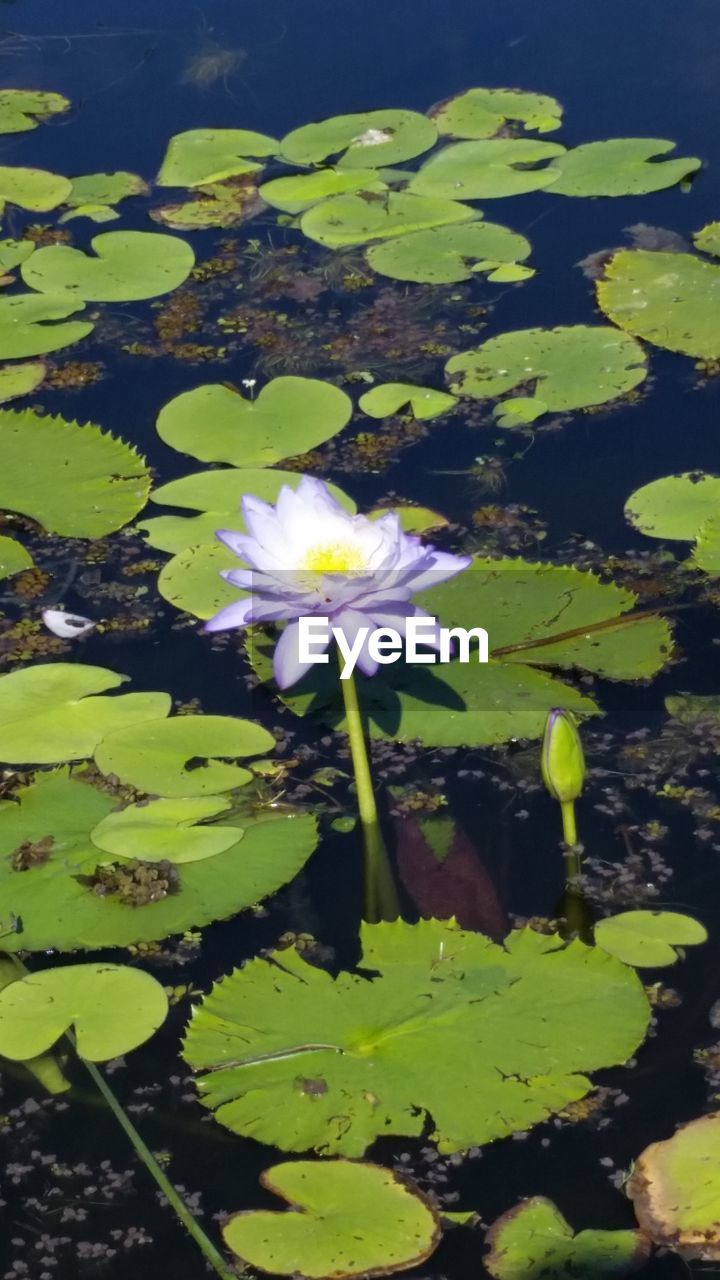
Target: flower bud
562	762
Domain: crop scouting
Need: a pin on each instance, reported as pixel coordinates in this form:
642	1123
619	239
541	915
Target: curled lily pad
570	367
675	507
20	379
347	1219
52	877
675	1190
33	189
290	415
111	1009
48	712
481	113
348	220
127	265
485	169
366	140
104	481
392	397
23	109
533	1241
449	254
620	167
297	192
385	1053
24	327
13	557
670	299
218	204
707	239
183	756
199	156
167	829
648	939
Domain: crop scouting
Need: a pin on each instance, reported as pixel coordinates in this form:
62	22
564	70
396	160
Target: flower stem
573	851
358	751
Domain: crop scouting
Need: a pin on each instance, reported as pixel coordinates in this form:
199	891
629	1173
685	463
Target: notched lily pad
675	507
620	167
484	170
183	756
344	1219
450	254
675	1190
481	113
670	299
533	1241
24	327
348	220
24	109
126	265
365	140
648	939
392	397
295	193
155	830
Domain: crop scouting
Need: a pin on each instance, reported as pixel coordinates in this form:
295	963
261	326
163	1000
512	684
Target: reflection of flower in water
212	63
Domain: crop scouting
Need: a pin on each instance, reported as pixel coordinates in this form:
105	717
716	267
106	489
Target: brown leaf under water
457	884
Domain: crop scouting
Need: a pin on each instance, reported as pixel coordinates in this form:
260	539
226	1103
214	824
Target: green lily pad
13	557
487	169
24	330
56	899
290	415
104	482
110	1007
20	379
48	712
674	507
191	580
167	829
13	252
533	1241
199	156
128	265
481	113
648	939
366	140
670	299
183	756
345	1219
23	109
348	220
450	254
217	204
95	212
620	167
412	519
33	189
707	239
706	553
570	367
392	397
297	192
106	188
675	1190
384	1053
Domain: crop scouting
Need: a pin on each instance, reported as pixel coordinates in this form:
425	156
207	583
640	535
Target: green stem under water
573	852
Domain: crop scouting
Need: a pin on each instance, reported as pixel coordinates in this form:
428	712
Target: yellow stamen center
333	557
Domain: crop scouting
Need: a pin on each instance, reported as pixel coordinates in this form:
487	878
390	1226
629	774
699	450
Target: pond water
469	828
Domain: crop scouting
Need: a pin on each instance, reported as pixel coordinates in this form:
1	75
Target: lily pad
290	415
33	189
20	379
620	167
706	553
191	580
56	900
128	265
707	239
385	1053
450	254
95	212
412	519
675	1190
23	109
297	192
199	156
217	204
103	484
13	557
675	507
392	397
183	756
533	1241
167	829
365	140
487	169
13	252
481	113
348	220
670	299
110	1007
570	367
223	490
24	330
345	1219
106	188
648	939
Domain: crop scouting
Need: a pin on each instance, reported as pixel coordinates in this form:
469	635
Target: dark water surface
621	67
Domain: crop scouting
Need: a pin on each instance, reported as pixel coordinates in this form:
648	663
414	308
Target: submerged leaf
366	140
570	367
199	156
620	167
648	939
345	1219
74	480
671	299
290	415
533	1241
348	220
182	756
481	113
110	1007
449	254
532	1016
675	1190
127	265
219	204
23	327
481	170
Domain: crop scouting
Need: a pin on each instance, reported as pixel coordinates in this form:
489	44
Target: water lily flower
307	556
68	626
